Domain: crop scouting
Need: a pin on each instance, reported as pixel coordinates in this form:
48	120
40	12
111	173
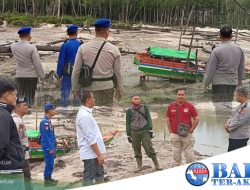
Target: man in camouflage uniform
139	131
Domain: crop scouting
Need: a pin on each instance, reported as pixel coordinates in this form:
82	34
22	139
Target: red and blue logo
197	174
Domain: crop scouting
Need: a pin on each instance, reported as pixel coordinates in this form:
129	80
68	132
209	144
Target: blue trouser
65	90
92	171
49	163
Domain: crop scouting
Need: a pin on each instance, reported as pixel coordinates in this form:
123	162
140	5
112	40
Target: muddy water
210	136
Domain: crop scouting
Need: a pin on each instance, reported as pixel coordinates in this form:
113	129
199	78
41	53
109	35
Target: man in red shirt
183	112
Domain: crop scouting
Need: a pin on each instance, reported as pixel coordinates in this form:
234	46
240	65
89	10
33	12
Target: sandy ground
119	162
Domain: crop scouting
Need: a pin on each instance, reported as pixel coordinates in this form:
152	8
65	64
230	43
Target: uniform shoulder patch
243	111
46	126
21	127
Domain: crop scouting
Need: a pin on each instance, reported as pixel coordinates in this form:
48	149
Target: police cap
102	23
20	100
24	30
71	29
49	106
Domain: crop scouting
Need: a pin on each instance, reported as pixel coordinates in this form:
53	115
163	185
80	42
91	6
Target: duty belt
102	79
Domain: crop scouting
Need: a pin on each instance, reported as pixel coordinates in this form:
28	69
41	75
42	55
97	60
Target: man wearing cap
11	150
107	65
48	142
20	110
225	68
66	61
28	65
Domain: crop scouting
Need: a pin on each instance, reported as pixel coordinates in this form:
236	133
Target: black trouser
92	171
223	93
26	169
26	87
236	143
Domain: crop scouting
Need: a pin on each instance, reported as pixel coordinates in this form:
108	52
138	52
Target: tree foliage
160	12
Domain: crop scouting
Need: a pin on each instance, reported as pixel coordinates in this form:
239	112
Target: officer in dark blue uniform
66	61
48	141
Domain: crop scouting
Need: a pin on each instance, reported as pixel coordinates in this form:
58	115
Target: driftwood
193	46
244	34
54	48
150	31
48	48
63	40
204	39
126	51
41	48
5	44
6	54
5	50
57	42
206	50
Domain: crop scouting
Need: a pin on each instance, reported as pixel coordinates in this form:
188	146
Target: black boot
48	181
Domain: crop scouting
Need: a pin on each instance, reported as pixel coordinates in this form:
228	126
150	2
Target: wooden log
63	40
203	33
5	44
54	48
126	51
5	50
193	46
39	47
57	41
9	54
244	34
48	48
204	39
206	50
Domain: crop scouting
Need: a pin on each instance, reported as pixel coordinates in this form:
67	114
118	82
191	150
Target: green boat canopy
167	52
32	133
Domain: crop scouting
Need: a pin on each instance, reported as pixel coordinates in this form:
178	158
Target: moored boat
168	63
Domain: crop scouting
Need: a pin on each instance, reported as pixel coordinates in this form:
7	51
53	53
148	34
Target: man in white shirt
90	141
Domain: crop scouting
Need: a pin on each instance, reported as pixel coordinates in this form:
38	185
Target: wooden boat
63	146
107	139
35	149
168	67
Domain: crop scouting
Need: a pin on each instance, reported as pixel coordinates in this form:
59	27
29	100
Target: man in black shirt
11	150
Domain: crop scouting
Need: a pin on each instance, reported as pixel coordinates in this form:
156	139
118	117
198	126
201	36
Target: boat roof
167	52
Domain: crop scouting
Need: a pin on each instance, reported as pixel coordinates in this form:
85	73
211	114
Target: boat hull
166	69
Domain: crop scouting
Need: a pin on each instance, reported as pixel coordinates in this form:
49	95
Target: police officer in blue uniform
66	61
48	142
